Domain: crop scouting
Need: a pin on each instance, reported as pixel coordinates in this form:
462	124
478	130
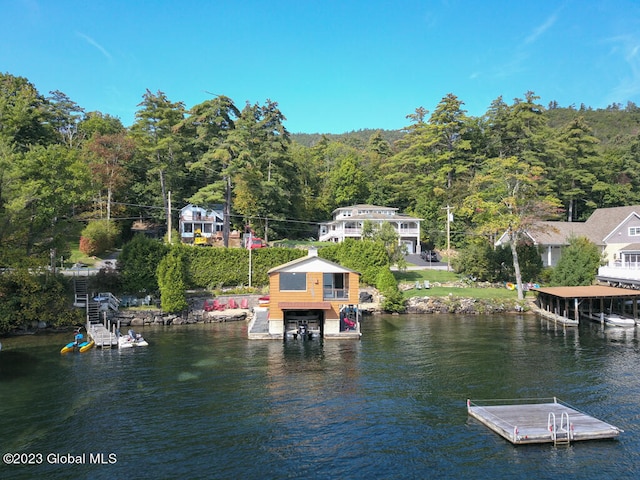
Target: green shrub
386	283
578	264
212	267
28	298
172	283
98	237
138	264
364	256
484	263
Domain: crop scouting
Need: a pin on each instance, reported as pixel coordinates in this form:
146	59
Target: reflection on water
202	401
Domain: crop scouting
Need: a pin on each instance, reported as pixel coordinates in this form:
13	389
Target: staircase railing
111	300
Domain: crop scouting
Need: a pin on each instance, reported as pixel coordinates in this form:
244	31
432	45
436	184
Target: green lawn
468	292
422	275
442	276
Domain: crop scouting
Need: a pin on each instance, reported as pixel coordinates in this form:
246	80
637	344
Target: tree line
61	166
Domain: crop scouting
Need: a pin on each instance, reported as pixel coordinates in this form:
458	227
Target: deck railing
335	293
627	271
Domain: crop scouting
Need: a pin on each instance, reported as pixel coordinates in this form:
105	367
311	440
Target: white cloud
626	47
539	30
92	42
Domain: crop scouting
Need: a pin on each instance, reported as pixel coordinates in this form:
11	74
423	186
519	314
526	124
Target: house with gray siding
616	232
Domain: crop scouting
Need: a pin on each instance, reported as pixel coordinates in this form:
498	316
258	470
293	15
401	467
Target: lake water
202	401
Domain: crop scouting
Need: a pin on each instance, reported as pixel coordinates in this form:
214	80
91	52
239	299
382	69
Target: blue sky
332	66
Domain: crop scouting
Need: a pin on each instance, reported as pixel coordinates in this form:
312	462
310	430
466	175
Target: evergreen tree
159	165
578	264
207	128
262	172
172	282
574	171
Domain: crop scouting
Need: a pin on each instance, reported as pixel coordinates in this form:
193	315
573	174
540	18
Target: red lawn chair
208	306
232	303
244	303
217	305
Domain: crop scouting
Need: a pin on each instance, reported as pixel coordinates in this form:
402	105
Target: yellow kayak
72	347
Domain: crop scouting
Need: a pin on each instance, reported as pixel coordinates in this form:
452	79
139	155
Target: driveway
420	264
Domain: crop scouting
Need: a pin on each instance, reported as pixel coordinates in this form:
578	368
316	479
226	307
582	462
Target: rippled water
202	401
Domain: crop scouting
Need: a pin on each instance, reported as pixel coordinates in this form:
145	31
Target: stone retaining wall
415	305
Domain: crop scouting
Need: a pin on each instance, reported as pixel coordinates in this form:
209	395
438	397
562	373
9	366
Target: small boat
619	321
78	347
131	339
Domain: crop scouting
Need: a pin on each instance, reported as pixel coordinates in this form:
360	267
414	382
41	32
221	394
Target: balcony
627	271
335	293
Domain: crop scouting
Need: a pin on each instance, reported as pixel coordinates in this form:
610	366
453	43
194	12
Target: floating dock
539	421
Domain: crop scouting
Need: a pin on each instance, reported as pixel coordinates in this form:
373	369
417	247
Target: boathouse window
634	231
296	281
334	285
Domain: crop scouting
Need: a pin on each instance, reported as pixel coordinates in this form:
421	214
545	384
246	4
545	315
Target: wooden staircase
95	311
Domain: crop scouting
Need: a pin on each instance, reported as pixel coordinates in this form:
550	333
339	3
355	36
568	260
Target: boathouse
569	304
311	297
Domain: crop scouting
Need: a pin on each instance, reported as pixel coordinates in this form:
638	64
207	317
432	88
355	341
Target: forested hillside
62	167
358	139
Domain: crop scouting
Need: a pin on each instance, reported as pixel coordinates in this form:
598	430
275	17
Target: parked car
429	256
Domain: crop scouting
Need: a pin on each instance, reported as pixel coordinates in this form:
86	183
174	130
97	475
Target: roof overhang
304	305
591	291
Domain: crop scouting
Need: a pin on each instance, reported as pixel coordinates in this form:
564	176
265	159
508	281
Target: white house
616	231
347	223
198	222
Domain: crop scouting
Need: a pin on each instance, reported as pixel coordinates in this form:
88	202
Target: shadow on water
15	364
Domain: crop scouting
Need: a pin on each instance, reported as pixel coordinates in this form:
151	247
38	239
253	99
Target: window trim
289	278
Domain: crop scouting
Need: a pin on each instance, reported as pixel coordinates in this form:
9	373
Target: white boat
131	339
618	321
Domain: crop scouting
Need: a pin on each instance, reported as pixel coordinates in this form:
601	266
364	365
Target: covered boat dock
567	304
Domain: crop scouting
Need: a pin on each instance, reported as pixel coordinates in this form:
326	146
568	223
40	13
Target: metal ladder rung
560	435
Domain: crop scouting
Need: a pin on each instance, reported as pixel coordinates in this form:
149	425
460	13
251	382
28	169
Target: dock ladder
562	434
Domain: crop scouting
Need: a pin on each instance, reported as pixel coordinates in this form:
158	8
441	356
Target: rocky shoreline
467	306
158	317
414	305
196	314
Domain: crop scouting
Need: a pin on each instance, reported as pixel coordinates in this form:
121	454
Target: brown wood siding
313	293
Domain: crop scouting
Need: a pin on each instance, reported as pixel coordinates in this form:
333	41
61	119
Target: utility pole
449	220
250	253
169	216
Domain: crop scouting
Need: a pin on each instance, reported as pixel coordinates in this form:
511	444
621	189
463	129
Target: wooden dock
543	421
569	322
102	337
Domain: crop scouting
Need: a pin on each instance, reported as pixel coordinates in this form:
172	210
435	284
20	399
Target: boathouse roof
590	291
311	263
